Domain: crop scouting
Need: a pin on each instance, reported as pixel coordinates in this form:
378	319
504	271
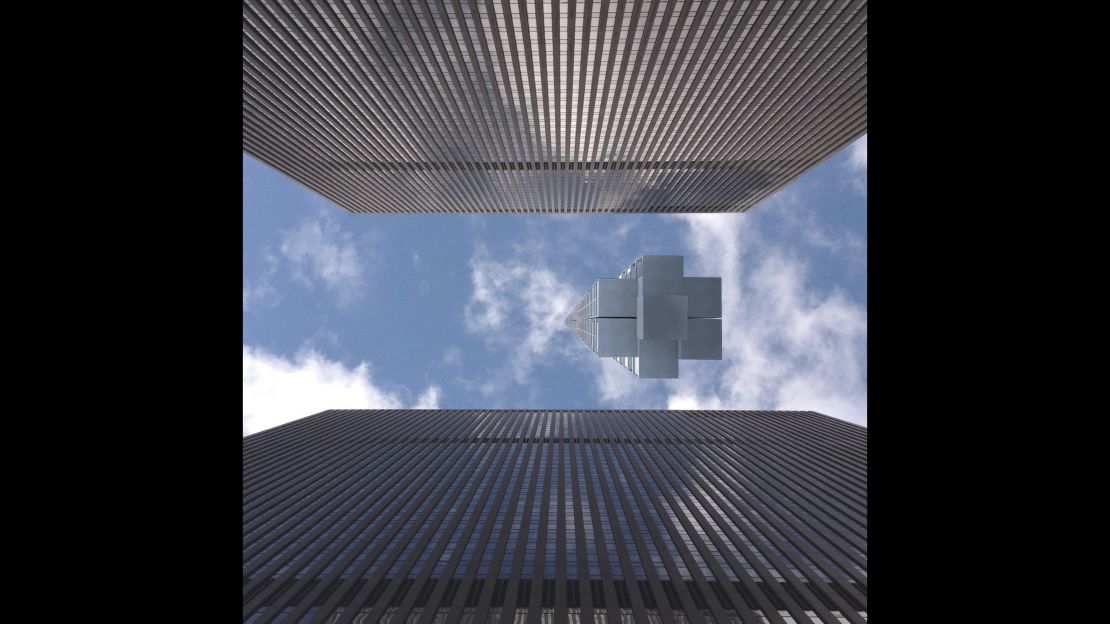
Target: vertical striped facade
561	516
519	106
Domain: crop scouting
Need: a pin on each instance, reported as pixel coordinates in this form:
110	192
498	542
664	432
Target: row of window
691	519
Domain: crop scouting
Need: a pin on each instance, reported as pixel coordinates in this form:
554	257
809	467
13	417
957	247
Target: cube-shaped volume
616	337
616	297
661	275
658	359
661	317
651	317
703	340
703	296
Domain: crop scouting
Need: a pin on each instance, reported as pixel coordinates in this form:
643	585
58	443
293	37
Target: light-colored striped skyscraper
542	106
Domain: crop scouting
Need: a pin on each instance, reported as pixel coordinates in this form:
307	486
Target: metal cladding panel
555	516
616	337
616	297
703	340
492	106
661	317
661	275
657	359
662	302
704	295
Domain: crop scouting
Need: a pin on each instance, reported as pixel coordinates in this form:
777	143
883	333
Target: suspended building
650	316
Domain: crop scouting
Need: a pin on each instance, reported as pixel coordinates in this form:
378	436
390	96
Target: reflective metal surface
523	107
651	316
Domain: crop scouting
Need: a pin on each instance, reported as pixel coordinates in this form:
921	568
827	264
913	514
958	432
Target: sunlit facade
556	516
651	316
544	106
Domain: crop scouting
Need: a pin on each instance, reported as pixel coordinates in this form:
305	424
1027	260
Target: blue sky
345	311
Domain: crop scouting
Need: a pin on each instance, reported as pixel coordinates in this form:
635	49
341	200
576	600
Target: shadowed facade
556	516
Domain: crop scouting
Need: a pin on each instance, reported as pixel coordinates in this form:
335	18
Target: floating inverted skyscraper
651	316
387	106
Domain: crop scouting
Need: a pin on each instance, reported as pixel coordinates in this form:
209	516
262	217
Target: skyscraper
556	516
541	106
650	316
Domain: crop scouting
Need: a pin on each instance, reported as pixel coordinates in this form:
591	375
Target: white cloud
788	205
488	301
857	164
262	292
518	306
857	155
277	390
452	356
503	289
786	345
429	399
615	383
687	402
320	252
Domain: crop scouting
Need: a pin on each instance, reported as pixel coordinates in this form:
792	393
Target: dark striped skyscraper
556	516
551	106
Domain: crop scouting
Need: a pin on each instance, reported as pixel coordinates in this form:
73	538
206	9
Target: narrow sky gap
361	311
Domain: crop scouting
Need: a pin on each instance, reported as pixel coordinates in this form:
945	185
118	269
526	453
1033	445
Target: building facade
556	516
491	106
651	316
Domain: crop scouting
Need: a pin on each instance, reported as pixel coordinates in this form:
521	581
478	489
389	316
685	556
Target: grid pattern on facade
556	516
548	106
583	318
